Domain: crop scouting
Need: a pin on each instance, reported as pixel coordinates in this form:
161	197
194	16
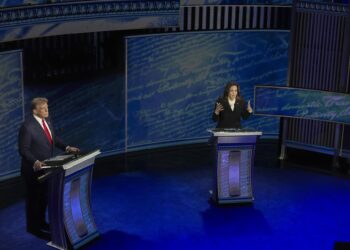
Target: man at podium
37	140
230	108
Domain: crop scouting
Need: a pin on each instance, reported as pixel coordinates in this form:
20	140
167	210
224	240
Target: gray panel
317	53
237	21
237	139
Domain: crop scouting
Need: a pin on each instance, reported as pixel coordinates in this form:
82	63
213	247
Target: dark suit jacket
228	118
34	145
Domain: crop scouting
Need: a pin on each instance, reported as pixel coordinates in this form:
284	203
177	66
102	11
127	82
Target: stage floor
159	200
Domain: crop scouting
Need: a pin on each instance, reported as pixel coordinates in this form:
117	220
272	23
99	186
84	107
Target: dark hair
227	90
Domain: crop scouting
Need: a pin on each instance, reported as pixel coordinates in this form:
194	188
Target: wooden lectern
71	221
235	150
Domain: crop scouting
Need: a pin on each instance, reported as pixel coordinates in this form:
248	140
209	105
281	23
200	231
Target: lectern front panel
78	219
235	149
71	220
234	173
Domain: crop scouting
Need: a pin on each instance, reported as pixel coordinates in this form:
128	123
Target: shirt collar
233	101
38	118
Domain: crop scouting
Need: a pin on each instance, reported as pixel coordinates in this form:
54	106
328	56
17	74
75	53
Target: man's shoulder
28	122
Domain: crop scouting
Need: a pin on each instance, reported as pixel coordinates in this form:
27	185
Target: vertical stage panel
11	111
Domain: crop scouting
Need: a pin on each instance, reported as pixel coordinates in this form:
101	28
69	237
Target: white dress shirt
232	103
41	123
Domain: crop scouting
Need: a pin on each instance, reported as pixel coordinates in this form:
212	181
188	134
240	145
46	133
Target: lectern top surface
233	132
61	160
82	158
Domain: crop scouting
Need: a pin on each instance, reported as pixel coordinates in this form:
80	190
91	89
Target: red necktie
47	132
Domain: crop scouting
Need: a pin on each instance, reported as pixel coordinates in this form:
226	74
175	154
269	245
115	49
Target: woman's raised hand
249	107
218	108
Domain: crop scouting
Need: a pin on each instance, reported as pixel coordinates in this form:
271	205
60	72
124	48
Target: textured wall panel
174	80
85	16
11	110
88	114
301	103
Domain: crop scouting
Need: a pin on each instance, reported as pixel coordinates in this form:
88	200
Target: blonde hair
38	101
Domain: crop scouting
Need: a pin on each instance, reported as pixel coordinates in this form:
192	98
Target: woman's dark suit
34	145
228	118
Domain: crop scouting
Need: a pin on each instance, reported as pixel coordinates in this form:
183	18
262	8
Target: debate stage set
134	83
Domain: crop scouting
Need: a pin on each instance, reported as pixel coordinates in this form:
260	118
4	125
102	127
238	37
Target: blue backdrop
173	81
86	113
11	110
302	103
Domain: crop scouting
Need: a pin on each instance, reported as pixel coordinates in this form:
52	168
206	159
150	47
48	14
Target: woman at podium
230	108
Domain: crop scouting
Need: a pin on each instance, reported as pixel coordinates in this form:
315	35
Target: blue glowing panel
175	79
11	111
302	103
86	113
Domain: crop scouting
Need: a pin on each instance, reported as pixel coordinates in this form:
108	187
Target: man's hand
249	107
37	165
72	150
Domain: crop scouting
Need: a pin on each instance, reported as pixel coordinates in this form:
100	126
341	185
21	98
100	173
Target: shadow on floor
121	240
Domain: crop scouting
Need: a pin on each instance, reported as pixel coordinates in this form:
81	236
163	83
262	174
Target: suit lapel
237	105
226	104
40	132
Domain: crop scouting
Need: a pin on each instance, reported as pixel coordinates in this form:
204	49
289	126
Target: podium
71	221
235	150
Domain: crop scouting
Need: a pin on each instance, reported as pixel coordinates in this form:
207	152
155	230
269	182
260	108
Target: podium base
233	201
50	244
80	244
